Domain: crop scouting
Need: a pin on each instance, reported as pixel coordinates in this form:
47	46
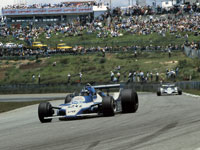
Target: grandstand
64	12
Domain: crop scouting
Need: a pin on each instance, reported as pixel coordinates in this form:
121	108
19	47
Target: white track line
192	95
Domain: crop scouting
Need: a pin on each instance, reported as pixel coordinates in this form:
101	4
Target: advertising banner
38	11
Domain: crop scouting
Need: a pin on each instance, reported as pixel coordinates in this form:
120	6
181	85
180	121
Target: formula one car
169	89
91	101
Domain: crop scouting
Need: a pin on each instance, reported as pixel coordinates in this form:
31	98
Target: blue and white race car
91	101
169	89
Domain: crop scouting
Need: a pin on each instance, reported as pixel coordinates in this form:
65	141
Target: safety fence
153	87
192	53
62	88
38	88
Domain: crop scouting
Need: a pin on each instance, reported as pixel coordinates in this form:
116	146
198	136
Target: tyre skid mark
147	138
166	139
94	144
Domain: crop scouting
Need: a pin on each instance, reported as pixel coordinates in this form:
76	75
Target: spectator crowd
143	77
115	22
178	21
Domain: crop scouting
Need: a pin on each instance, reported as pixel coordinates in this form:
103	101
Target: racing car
169	89
89	102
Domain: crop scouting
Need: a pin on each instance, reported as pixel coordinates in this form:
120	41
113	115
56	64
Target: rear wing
109	86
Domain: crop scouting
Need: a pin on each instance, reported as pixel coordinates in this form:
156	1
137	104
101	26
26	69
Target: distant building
84	10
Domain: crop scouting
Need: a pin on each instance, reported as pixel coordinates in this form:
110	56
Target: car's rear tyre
68	98
129	101
45	110
108	106
158	93
179	92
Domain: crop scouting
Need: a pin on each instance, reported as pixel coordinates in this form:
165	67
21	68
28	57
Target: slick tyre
45	110
68	98
158	93
129	101
179	92
108	106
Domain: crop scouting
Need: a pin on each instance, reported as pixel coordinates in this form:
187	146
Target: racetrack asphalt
31	97
161	123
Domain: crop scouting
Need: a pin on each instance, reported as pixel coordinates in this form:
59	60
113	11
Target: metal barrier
189	85
58	88
192	53
38	88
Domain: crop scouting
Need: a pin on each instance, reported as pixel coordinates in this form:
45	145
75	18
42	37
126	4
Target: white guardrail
192	53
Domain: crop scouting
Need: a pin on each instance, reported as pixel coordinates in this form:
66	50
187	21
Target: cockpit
88	91
85	92
168	86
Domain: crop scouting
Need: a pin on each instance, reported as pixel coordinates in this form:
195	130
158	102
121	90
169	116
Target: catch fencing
192	53
153	87
62	88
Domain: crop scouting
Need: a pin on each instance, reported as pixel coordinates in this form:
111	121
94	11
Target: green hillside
127	39
96	68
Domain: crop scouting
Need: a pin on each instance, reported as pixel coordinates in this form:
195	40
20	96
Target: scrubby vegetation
96	68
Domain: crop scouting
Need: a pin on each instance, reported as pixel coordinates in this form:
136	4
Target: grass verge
8	106
195	92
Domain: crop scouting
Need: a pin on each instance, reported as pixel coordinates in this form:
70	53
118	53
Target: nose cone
169	91
77	99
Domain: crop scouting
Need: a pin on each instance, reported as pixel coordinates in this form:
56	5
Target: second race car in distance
91	101
169	89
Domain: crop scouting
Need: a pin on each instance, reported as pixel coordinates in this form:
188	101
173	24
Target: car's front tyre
45	110
158	93
108	106
68	98
129	101
179	92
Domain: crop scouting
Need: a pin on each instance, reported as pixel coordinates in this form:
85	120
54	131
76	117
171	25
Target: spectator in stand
177	70
130	77
151	76
39	78
118	77
80	77
111	76
138	76
33	78
135	54
134	76
115	79
54	63
118	68
103	52
141	76
169	53
147	77
157	76
68	78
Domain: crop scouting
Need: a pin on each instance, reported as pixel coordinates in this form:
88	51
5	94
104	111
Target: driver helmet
85	92
88	84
